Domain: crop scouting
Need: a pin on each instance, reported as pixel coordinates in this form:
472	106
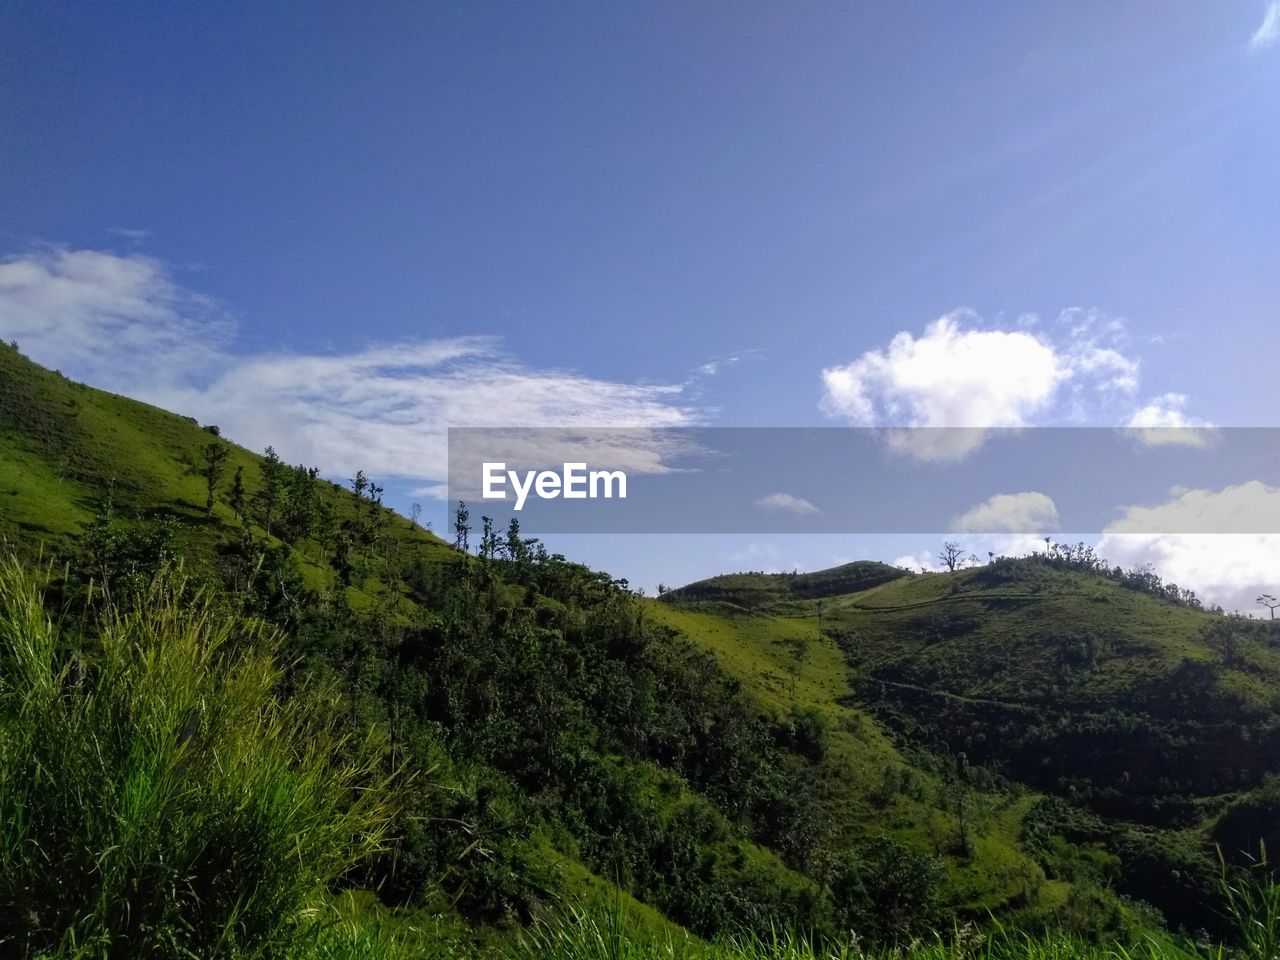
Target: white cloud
787	502
922	562
1226	569
387	408
712	367
1268	31
108	317
122	322
1184	540
1244	508
1163	421
718	365
1027	512
949	377
959	374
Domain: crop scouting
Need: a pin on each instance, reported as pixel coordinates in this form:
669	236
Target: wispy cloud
788	503
712	367
1268	32
718	365
123	322
110	318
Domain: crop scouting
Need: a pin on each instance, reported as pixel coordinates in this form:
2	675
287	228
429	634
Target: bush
1251	824
887	892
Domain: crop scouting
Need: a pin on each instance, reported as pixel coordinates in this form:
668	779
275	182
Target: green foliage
1250	824
156	798
887	892
735	756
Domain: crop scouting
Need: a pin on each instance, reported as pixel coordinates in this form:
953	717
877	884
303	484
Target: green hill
751	591
858	748
1146	727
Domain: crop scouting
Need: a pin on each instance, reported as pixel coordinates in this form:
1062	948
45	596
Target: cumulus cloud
1227	569
922	561
1027	512
1164	421
1184	540
960	374
1268	32
1245	508
951	376
787	502
123	322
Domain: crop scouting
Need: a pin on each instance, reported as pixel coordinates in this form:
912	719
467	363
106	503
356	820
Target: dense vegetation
248	712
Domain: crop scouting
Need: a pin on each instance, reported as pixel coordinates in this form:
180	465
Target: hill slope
752	749
1151	725
554	737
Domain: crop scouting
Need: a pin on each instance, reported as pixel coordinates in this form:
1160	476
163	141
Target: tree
488	540
887	892
415	512
1226	636
1270	602
950	555
517	552
272	470
300	508
215	462
798	647
462	527
236	499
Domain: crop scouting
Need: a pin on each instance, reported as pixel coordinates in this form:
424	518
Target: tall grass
1252	900
157	797
579	935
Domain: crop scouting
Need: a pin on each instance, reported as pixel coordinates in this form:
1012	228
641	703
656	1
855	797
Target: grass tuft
157	796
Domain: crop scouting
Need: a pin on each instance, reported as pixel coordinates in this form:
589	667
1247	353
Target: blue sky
655	213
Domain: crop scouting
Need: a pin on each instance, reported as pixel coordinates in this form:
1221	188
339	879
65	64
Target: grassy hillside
557	745
855	749
1122	733
66	450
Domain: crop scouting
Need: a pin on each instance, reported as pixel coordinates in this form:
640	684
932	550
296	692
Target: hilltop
754	591
1044	739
